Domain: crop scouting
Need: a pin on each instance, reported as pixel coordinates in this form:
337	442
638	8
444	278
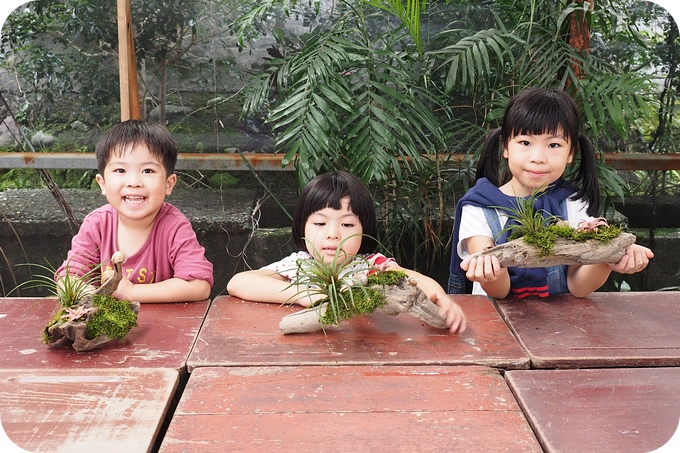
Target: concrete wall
34	230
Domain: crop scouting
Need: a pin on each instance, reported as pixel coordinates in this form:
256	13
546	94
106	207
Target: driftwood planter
74	332
517	253
404	297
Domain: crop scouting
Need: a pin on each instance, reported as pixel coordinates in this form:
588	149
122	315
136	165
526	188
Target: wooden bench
70	409
241	333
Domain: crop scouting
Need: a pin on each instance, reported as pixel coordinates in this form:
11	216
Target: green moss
115	318
386	278
361	300
55	320
544	239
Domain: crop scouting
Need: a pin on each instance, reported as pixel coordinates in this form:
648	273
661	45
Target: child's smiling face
327	228
135	183
536	161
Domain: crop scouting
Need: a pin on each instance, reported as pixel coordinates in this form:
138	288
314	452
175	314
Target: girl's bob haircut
326	191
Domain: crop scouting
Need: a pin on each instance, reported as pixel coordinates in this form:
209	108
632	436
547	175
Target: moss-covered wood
390	292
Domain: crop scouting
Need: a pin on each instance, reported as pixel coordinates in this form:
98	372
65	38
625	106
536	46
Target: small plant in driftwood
349	292
538	241
87	317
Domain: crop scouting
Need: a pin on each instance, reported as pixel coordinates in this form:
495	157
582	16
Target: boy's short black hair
132	132
326	191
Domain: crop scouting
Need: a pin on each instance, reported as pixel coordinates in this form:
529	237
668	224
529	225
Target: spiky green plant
69	289
109	316
541	231
524	219
342	283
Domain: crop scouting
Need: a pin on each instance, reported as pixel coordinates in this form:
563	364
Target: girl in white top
334	216
528	155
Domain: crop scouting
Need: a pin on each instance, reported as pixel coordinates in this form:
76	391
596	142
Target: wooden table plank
351	408
85	410
601	330
164	338
600	410
240	333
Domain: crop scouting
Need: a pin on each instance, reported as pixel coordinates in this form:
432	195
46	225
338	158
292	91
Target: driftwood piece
73	331
517	253
404	297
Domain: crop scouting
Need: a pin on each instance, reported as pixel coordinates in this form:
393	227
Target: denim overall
557	275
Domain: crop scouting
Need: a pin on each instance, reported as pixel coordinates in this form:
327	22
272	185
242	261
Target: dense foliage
399	92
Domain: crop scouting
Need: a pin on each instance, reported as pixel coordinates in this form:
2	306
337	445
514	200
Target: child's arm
448	308
493	278
264	285
583	280
170	290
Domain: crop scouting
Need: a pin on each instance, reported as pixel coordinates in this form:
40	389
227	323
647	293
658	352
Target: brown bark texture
517	253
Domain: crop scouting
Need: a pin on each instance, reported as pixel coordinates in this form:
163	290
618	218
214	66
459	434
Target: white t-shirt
473	223
288	267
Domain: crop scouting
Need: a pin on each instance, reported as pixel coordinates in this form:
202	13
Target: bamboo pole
129	95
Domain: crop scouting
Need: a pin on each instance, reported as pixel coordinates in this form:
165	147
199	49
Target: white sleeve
288	267
576	211
472	223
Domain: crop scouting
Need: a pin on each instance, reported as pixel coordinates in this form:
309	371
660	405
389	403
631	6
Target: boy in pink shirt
165	263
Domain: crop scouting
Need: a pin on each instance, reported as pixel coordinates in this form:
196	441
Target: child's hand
451	312
123	290
483	269
309	300
636	258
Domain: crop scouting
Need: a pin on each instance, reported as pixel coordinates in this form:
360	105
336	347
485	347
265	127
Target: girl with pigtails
528	156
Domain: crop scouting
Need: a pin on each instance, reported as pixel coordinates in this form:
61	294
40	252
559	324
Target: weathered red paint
240	333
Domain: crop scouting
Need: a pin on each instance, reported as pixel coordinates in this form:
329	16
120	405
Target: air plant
341	281
84	315
541	229
68	289
354	287
524	219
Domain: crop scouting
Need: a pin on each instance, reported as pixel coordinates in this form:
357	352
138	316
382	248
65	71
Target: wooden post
129	95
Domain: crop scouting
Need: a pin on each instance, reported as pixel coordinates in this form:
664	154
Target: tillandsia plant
538	240
86	316
524	219
68	290
333	280
354	287
540	230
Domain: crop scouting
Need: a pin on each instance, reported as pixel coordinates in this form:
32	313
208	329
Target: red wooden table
600	410
240	333
348	408
163	339
90	410
602	330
